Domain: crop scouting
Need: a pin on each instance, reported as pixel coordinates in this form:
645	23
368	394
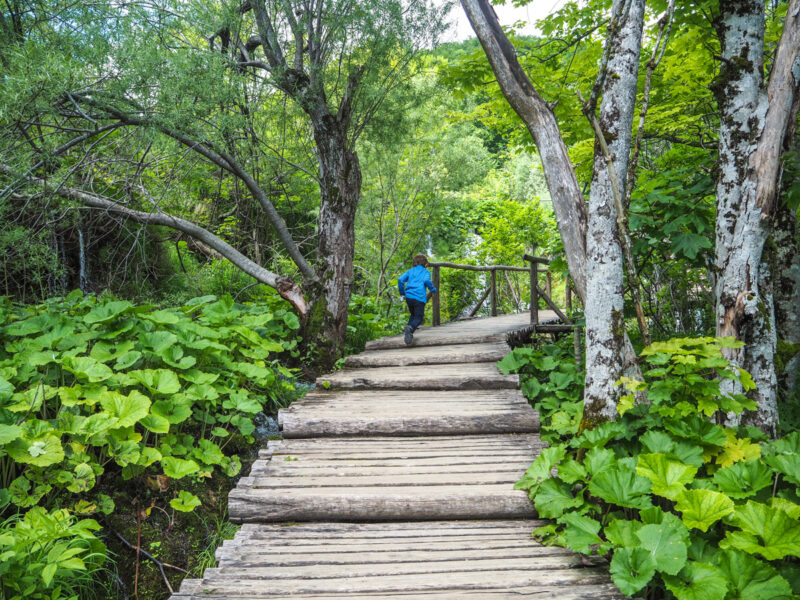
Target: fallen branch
161	565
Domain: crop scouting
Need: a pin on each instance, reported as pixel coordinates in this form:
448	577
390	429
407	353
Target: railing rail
536	291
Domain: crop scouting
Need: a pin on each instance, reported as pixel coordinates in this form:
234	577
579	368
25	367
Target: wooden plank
471	376
428	355
487	329
379	504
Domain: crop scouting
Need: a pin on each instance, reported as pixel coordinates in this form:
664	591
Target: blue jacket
413	282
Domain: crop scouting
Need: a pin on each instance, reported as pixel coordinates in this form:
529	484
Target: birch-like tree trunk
605	324
753	125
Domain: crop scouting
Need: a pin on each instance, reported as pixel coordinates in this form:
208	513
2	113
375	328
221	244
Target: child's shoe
409	336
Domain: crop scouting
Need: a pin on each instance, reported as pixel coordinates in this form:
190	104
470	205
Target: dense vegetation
203	204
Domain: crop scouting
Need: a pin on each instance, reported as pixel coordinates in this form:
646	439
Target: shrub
683	506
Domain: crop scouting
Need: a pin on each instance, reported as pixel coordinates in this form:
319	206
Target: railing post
548	284
568	296
494	292
534	293
436	315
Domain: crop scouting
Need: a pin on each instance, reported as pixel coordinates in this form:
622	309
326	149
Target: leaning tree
198	75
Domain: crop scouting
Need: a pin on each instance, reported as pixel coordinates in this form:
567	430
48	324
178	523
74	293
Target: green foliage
93	388
681	504
552	383
48	555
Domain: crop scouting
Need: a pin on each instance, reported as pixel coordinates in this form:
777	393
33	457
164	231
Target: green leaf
129	409
703	508
178	468
155	423
553	498
632	569
766	530
161	317
621	532
127	360
668	477
48	573
571	471
158	381
752	579
598	460
787	465
172	410
581	532
9	433
621	485
87	368
697	581
667	543
743	479
541	467
600	435
41	451
185	502
84	479
107	311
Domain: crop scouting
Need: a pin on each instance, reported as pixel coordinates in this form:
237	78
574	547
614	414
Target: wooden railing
536	291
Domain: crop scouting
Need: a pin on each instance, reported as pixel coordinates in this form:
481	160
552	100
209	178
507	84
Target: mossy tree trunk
605	325
753	125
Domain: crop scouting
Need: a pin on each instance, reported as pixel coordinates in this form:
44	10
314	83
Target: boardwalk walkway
395	480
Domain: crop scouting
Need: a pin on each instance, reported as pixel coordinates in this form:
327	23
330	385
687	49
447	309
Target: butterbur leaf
571	471
580	532
155	423
178	467
107	311
632	569
41	451
128	410
172	410
512	362
697	429
621	485
599	459
600	435
697	581
736	449
743	479
657	442
541	467
9	433
787	506
752	579
185	502
622	532
160	381
703	508
667	543
553	498
766	530
668	477
87	368
787	465
161	317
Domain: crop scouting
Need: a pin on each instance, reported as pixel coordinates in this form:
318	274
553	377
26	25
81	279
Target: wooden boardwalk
395	480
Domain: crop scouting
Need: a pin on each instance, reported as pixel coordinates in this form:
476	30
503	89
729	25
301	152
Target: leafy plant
552	382
681	505
88	384
48	555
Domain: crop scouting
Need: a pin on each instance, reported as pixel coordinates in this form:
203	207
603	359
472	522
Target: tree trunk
605	324
754	123
340	177
786	267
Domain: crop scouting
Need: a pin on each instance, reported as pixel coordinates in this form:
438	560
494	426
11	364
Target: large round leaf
632	569
41	451
129	409
178	467
668	478
159	381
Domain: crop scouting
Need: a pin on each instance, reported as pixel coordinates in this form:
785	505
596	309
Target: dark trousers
417	310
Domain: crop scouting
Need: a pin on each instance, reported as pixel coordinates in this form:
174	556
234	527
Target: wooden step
389	478
442	560
408	413
473	331
429	355
469	376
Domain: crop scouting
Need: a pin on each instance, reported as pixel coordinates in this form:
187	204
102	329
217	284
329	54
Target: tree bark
605	324
754	123
538	116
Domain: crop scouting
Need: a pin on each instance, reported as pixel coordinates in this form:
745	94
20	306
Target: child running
412	286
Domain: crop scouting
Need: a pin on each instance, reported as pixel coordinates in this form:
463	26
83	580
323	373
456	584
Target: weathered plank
469	376
408	413
429	355
474	331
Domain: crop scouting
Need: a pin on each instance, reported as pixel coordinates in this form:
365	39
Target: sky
507	14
